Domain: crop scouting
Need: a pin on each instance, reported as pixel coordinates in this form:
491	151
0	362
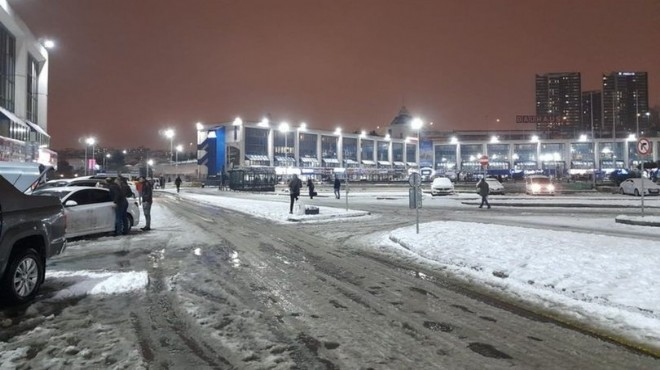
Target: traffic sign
415	179
644	146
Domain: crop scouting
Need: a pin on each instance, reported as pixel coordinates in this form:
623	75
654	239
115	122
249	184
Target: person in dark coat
310	185
294	191
121	206
147	199
177	183
337	187
484	189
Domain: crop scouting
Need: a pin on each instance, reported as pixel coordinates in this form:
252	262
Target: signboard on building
538	119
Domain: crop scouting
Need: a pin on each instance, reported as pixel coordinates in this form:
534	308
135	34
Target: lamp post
150	163
169	133
416	125
90	141
179	148
284	128
107	156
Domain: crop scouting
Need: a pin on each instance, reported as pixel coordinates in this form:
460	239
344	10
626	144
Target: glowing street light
416	125
284	128
169	133
179	148
89	141
107	156
199	126
150	163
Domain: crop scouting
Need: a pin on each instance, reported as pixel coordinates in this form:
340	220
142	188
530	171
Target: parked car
633	186
539	185
32	229
97	181
89	210
494	186
441	186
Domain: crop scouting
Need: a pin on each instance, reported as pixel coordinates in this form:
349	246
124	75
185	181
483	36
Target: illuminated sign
538	119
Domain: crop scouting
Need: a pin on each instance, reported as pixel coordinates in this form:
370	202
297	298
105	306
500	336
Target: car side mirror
71	203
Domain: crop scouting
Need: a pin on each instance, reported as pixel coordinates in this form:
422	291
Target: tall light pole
150	163
284	128
637	114
90	141
179	148
416	125
169	133
107	156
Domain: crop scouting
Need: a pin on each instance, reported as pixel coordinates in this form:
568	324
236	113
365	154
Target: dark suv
32	229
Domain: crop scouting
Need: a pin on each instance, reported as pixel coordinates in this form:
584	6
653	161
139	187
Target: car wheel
621	191
636	192
23	276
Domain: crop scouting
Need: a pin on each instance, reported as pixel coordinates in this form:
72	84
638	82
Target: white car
98	181
634	186
538	184
442	186
90	210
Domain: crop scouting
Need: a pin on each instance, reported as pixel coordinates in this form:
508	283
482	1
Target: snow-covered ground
603	281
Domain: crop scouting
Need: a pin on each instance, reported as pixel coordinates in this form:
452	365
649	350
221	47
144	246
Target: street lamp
107	156
284	128
90	141
169	133
179	148
416	125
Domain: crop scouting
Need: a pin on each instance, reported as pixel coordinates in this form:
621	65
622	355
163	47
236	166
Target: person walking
294	191
337	187
147	199
121	206
177	183
483	191
310	185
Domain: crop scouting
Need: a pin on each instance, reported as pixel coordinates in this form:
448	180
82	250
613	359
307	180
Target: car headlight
536	188
551	187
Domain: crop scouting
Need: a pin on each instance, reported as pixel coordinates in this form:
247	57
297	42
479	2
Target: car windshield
52	192
541	180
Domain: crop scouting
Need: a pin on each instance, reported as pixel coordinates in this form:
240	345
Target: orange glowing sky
125	69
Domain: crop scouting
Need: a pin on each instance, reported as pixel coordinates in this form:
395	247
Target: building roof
402	118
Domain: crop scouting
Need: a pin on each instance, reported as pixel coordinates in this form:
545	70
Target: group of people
120	192
295	184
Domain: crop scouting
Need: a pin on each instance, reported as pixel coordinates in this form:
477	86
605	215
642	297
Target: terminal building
23	93
320	154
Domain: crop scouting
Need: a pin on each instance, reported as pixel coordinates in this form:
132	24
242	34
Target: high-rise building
625	103
559	95
592	112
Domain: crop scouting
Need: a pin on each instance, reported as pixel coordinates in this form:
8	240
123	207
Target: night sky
123	70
